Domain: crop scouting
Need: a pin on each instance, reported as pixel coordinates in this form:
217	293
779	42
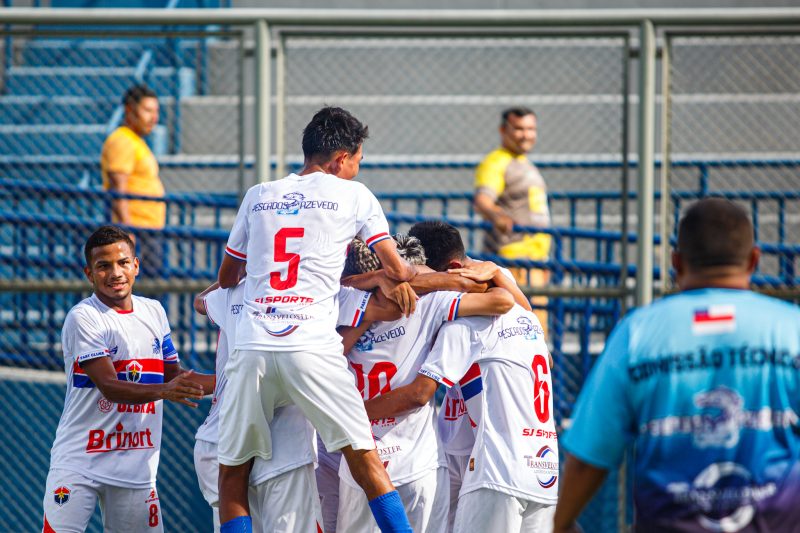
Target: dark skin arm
379	309
206	381
118	182
180	388
230	271
579	481
402	399
198	304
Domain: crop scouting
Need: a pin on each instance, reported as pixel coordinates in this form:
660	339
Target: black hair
518	111
715	232
136	94
361	259
103	236
441	241
330	130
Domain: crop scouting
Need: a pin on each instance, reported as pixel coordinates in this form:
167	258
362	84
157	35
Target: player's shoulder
499	156
148	305
87	308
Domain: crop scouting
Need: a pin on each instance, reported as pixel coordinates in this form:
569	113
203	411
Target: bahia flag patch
714	319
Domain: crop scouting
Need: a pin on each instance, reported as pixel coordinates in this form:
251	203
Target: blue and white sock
389	513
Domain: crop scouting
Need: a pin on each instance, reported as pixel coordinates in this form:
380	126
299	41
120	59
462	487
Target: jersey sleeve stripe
359	316
372	241
453	314
471	383
233	253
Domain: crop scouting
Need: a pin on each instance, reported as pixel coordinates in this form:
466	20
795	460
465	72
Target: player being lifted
385	358
293	234
290	472
120	363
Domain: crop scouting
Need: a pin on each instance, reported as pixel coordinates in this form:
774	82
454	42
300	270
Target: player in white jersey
120	363
388	355
445	251
511	482
293	234
290	472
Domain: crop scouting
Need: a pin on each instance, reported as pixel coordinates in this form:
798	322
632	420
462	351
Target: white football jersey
116	444
503	368
387	356
293	435
455	426
294	234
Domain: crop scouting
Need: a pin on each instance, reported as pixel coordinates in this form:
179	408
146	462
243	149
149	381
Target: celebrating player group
334	338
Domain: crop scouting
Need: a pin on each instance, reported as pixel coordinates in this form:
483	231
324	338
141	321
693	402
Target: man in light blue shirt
706	384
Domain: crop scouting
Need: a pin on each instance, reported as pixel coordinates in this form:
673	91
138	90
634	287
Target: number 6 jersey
294	234
503	368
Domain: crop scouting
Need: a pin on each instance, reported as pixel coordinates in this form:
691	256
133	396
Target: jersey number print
282	256
372	387
541	389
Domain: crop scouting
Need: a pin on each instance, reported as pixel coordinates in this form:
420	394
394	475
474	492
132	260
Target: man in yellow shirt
128	166
510	190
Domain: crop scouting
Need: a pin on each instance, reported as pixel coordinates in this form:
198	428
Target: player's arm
486	271
181	389
199	300
379	309
583	480
399	292
495	301
230	271
395	266
402	399
118	182
206	381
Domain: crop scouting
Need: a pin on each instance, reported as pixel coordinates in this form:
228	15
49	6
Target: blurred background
727	122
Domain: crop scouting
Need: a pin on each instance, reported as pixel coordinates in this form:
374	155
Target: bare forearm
124	392
119	208
365	282
442	281
504	282
391	404
579	482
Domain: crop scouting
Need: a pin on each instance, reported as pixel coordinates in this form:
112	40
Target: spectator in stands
509	190
129	167
705	385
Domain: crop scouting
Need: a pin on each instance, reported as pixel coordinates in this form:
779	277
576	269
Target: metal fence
236	88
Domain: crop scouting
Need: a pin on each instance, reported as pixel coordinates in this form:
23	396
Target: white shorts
287	503
328	485
70	500
425	501
318	383
486	510
456	466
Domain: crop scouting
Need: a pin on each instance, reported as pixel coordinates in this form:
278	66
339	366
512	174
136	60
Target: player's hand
502	222
401	293
182	389
478	271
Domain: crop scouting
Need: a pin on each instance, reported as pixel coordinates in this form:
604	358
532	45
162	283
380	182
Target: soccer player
510	190
293	234
290	473
503	367
386	356
120	363
705	383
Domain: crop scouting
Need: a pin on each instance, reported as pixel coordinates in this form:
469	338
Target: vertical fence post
263	102
647	98
663	217
280	107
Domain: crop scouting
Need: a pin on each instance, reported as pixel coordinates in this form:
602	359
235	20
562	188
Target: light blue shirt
707	385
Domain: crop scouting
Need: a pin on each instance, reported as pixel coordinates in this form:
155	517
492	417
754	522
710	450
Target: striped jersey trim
233	253
372	241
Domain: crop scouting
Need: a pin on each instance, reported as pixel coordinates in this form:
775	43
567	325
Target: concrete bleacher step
96	81
108	53
55	110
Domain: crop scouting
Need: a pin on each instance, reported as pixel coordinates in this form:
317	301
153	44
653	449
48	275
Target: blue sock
389	513
240	524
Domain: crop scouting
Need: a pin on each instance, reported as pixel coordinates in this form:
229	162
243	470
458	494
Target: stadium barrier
417	87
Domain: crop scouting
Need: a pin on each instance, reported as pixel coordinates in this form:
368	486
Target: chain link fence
733	123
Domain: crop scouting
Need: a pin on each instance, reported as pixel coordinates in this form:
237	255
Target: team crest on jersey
366	341
294	201
156	347
61	495
153	497
114	350
133	372
105	405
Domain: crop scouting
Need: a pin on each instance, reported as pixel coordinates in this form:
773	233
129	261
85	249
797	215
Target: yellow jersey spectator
128	166
510	190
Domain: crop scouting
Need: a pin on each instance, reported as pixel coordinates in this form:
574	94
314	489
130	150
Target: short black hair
361	259
441	241
136	94
330	130
518	111
103	236
715	232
